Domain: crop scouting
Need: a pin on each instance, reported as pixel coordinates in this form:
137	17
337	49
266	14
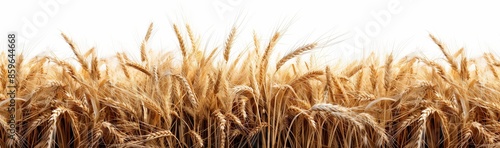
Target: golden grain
203	102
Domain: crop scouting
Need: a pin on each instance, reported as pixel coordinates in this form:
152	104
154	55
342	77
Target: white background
119	26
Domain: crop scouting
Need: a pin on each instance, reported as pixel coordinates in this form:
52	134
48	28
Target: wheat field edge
251	100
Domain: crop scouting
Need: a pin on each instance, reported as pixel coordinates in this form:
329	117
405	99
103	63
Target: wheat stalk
75	51
221	119
265	58
139	67
180	40
229	43
156	135
196	137
295	53
446	54
194	43
187	88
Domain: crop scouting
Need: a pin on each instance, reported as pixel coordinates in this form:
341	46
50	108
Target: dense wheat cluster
251	100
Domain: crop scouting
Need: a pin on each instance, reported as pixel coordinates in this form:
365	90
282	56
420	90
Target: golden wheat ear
75	50
144	43
295	53
229	43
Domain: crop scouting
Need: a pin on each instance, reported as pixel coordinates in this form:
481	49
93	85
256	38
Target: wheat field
217	100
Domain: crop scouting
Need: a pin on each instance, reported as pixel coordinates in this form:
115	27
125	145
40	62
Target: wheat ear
295	53
229	43
144	42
